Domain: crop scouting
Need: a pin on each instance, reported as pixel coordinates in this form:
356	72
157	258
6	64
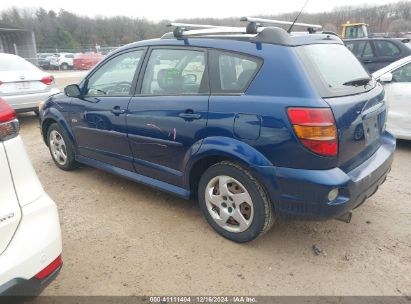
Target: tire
37	113
240	212
61	148
64	66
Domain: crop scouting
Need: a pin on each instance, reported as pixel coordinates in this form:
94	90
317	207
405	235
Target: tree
63	39
399	26
67	30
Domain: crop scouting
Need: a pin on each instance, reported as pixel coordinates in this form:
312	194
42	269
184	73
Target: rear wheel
64	66
61	148
234	203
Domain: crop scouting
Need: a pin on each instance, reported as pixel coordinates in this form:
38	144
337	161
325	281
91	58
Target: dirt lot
122	238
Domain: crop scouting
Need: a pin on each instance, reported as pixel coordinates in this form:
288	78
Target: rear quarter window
387	48
232	72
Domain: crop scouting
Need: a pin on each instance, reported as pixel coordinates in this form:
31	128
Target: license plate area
371	129
23	85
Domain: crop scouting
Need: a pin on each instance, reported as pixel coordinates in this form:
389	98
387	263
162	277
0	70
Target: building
17	41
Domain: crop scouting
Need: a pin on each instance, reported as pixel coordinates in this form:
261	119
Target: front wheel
234	203
61	148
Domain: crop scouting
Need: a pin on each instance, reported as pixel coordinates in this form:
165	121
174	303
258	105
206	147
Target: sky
173	9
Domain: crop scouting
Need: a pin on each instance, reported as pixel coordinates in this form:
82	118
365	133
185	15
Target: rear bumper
300	193
29	101
36	243
32	287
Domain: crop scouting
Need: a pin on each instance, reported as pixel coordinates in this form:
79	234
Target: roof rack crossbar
279	22
190	30
214	31
189	25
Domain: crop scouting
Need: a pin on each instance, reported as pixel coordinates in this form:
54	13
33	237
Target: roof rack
189	30
261	21
255	30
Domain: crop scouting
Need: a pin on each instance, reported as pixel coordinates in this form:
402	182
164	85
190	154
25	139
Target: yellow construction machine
352	30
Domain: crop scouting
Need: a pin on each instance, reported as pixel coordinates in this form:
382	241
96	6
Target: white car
22	84
396	78
62	61
30	237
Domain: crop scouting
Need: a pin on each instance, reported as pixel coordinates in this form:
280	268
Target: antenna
298	16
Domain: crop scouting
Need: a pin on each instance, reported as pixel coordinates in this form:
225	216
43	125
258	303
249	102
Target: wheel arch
51	116
217	149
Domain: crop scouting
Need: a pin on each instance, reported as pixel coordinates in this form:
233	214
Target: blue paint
152	143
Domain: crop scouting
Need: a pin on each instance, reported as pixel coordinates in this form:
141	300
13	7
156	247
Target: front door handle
189	114
117	110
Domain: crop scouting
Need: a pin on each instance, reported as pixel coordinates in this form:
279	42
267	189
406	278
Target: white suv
62	61
30	237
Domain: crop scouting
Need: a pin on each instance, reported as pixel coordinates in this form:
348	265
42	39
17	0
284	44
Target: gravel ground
122	238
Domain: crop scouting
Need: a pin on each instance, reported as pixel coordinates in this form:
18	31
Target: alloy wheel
58	147
229	203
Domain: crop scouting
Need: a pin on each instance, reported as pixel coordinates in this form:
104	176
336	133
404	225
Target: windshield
331	67
15	63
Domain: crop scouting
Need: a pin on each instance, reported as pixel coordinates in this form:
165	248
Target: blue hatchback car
256	125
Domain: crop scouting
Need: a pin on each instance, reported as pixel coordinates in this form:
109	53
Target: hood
391	67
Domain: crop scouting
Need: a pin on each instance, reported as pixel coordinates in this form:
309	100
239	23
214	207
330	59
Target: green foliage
63	38
65	30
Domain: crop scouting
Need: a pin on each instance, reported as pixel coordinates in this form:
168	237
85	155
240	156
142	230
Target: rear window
332	65
15	63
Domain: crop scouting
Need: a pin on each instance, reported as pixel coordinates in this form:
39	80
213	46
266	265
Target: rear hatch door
360	122
356	99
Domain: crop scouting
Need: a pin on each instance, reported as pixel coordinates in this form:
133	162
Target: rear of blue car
336	152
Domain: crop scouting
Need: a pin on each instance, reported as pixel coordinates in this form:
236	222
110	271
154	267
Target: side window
361	49
402	74
115	77
232	73
351	32
367	51
387	48
175	72
350	46
69	56
355	47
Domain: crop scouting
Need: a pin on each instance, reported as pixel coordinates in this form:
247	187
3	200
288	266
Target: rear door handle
189	114
117	110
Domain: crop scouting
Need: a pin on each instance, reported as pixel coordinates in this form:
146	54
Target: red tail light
50	268
6	112
9	126
316	129
48	80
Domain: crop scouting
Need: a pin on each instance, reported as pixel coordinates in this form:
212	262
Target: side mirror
72	90
190	79
387	77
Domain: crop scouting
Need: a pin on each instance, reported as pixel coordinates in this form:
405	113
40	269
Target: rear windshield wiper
358	82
